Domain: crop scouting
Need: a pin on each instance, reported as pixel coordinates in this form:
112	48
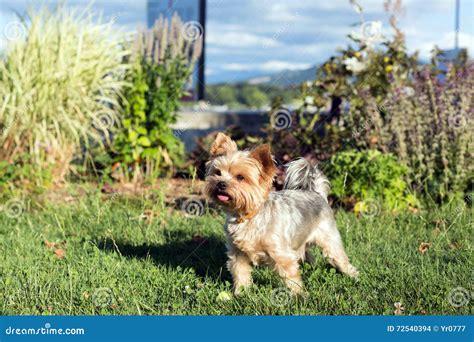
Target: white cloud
270	66
238	39
446	41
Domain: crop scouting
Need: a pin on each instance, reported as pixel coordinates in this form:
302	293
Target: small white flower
309	84
309	100
311	109
354	65
409	91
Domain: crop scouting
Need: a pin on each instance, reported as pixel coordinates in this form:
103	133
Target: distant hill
284	78
260	90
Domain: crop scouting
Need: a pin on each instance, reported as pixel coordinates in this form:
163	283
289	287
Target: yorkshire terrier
272	227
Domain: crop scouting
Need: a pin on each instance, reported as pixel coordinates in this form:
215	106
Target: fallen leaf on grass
57	248
52	245
423	248
59	253
148	216
399	309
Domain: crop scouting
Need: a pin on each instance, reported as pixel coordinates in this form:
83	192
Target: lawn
122	256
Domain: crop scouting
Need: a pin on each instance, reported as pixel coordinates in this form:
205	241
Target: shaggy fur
275	228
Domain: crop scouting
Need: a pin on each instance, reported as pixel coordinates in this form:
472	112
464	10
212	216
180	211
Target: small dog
265	227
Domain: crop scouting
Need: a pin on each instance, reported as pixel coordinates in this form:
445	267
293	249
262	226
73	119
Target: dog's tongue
223	198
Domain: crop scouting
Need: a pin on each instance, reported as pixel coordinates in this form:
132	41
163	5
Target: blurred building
189	11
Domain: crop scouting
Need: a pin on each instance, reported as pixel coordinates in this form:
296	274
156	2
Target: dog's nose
221	186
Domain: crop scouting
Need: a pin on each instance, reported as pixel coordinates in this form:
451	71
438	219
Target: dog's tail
303	175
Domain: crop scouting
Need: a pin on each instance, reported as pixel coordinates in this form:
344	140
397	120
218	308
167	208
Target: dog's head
239	181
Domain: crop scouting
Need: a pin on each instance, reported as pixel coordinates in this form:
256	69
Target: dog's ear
222	145
263	154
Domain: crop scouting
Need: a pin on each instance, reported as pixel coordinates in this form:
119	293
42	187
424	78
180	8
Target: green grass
117	263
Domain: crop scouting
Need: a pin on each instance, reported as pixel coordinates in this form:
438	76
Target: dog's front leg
241	270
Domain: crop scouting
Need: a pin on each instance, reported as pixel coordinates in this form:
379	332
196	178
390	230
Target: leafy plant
374	95
360	177
58	85
18	174
429	128
162	60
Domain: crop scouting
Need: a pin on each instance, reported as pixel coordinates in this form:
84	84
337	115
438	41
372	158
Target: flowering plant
374	95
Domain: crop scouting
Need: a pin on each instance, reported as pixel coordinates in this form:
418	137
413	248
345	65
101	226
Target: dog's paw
353	272
240	290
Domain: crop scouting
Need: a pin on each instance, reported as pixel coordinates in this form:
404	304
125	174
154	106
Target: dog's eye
240	178
218	172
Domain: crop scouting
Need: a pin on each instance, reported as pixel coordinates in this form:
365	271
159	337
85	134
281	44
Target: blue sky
257	37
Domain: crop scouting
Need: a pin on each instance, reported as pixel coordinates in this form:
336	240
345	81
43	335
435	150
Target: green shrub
162	64
371	177
57	86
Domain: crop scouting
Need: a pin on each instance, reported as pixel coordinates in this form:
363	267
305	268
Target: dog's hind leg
327	237
286	264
